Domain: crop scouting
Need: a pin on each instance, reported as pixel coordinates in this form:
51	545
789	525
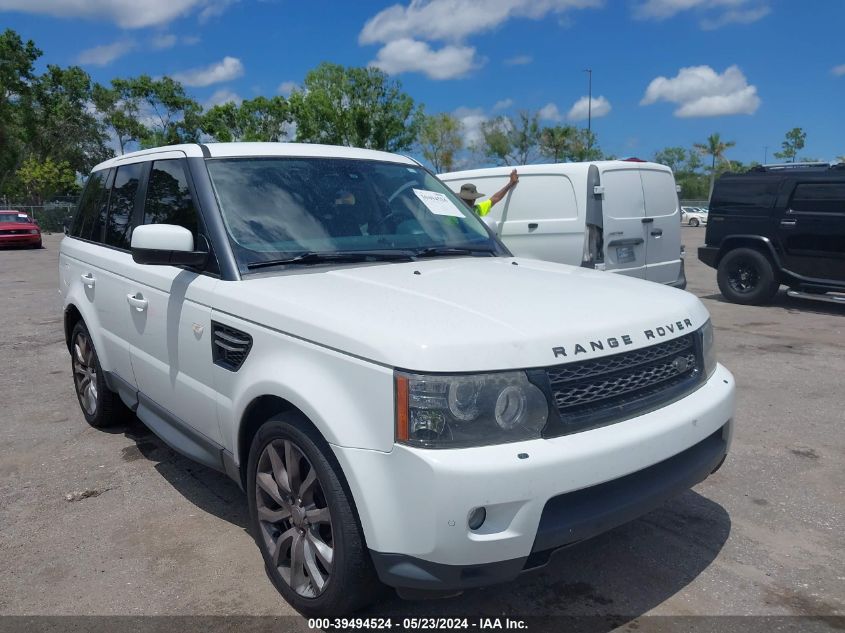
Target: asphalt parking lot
162	535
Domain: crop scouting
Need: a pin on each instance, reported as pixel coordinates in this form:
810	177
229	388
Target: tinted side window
746	192
168	196
820	197
121	204
88	205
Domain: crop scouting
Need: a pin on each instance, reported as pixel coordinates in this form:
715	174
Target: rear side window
121	205
746	192
169	197
549	197
91	215
819	197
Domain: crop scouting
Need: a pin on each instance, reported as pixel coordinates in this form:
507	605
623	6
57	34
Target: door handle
647	220
137	301
788	222
532	226
88	280
657	232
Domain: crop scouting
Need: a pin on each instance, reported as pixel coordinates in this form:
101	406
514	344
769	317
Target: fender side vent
229	347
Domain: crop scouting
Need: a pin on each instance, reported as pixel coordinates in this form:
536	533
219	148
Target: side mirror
165	245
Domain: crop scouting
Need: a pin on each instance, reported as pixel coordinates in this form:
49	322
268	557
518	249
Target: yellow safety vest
483	208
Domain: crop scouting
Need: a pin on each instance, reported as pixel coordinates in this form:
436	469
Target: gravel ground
159	534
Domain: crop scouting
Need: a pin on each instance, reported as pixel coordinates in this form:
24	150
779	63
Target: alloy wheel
293	517
85	372
743	277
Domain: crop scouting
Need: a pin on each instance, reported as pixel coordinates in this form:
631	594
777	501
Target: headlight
707	348
454	411
33	231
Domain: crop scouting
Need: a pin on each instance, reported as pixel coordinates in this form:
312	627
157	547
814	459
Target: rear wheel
304	522
746	276
99	404
693	222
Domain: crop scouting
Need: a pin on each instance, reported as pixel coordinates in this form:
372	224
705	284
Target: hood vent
229	347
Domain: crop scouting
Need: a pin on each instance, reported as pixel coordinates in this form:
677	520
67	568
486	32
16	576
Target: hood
466	313
17	226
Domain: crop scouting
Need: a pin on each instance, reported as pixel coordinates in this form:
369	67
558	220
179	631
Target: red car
18	229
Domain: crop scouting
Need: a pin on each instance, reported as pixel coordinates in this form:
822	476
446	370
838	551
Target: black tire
351	582
106	403
693	222
746	276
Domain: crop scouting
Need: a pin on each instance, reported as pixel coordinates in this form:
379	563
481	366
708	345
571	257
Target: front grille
14	231
606	390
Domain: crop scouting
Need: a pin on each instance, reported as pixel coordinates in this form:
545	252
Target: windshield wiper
314	257
445	251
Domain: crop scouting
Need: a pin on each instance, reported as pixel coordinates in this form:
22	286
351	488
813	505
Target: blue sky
670	71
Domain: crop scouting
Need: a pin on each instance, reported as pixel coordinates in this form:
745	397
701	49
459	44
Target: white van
618	215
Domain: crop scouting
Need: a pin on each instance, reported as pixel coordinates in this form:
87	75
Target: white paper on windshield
438	203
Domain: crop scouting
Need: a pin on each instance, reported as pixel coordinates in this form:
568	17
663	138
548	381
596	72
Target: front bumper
25	239
709	255
414	503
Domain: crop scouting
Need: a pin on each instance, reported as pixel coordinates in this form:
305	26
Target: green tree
673	157
17	59
61	124
120	112
715	147
41	180
792	144
556	142
172	116
259	119
358	107
585	147
511	142
440	139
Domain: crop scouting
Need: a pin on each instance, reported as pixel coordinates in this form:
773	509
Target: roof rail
778	166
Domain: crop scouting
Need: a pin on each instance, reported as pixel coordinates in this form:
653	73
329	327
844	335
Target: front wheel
304	523
746	276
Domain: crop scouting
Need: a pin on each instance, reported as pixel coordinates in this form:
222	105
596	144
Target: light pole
589	72
765	153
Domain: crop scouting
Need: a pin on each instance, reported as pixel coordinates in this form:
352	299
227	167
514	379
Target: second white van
621	216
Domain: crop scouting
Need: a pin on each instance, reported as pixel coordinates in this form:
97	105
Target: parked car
693	216
18	229
620	216
403	401
778	224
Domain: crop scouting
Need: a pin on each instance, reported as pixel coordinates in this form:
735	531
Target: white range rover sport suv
403	401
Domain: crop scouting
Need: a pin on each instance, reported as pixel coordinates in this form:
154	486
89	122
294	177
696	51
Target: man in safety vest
469	194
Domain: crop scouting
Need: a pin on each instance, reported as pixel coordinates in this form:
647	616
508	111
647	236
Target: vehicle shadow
602	583
208	489
791	304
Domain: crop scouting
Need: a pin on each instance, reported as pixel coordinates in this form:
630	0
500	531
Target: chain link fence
51	217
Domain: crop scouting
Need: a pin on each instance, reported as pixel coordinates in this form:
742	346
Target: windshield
277	208
13	217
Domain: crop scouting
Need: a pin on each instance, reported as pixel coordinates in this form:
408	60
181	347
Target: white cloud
224	95
582	109
715	13
128	14
105	54
225	70
519	60
162	41
839	71
286	88
700	92
457	19
504	104
407	55
549	112
471	120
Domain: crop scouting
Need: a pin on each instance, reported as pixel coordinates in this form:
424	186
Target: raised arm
496	197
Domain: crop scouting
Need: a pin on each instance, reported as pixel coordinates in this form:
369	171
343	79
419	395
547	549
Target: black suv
778	224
